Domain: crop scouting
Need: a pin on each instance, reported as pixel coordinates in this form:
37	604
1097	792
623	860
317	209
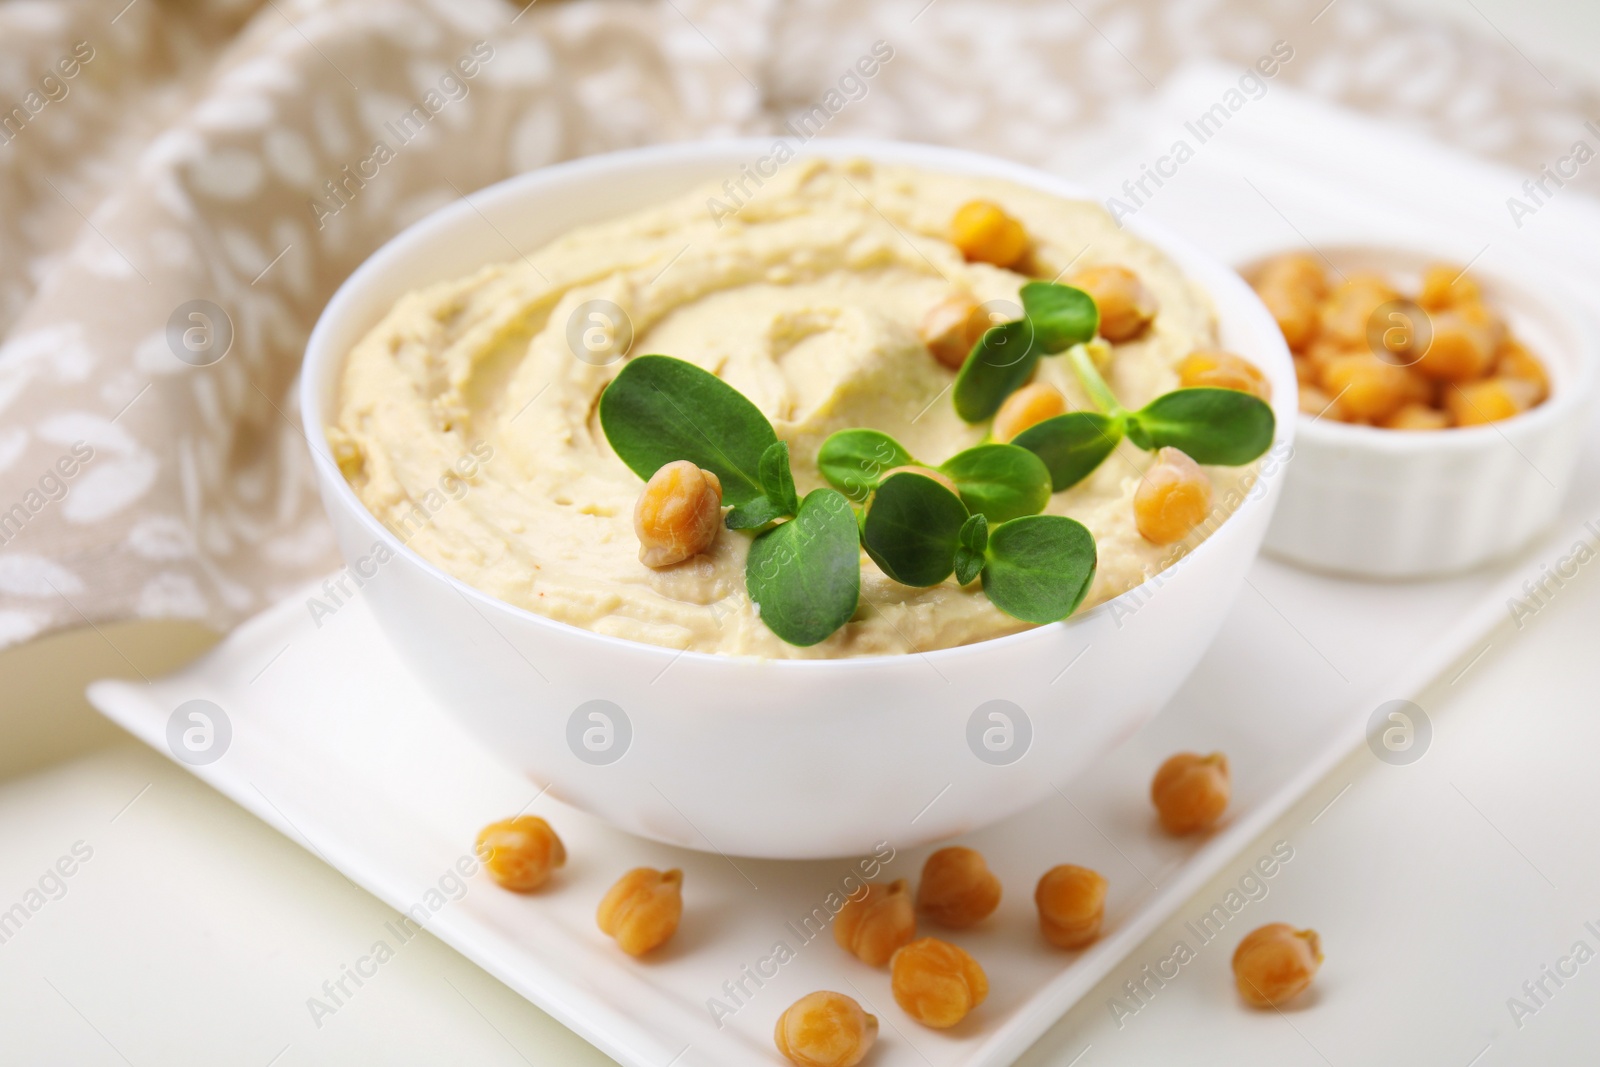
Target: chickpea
1296	310
927	472
824	1029
1349	308
1172	499
951	327
877	924
1026	407
1420	390
1317	404
521	853
1465	338
1417	417
1223	370
957	888
1493	400
984	233
1072	902
1323	351
678	515
1127	306
1444	286
1367	388
1515	361
1191	791
1274	964
642	910
1295	271
936	983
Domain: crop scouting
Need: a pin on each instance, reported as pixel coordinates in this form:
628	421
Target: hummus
467	422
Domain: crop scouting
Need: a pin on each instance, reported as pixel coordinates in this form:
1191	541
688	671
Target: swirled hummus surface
466	419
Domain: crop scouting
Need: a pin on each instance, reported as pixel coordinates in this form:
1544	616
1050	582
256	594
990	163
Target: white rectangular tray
338	748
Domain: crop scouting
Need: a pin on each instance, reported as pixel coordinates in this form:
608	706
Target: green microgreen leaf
1212	426
777	480
658	410
805	574
1039	567
999	364
913	528
974	538
1071	446
754	514
1000	481
852	461
1061	315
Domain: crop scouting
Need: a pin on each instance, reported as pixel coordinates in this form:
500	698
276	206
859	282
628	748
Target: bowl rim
1555	302
322	360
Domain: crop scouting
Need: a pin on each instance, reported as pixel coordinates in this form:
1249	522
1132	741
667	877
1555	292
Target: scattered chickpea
1417	417
1223	370
1072	902
1491	400
1274	964
1127	306
984	233
642	910
957	888
1172	499
824	1029
951	327
1464	342
1026	407
927	472
1349	308
1445	286
877	924
1515	361
678	515
936	983
1191	791
521	853
1367	388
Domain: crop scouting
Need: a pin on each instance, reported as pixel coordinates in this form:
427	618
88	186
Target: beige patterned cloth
155	153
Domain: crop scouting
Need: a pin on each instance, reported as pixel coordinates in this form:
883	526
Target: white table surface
195	934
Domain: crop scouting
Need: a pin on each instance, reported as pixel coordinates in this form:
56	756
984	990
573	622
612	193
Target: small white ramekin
789	758
1377	503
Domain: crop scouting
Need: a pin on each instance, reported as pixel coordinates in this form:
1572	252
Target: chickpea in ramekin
1369	354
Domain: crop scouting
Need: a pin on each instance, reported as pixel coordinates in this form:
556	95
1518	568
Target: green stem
1099	392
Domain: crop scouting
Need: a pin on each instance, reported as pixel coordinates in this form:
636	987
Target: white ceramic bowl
1385	504
793	759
